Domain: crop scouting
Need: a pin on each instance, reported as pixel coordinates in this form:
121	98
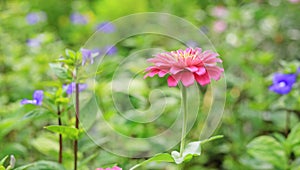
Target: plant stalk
76	123
60	156
184	122
287	123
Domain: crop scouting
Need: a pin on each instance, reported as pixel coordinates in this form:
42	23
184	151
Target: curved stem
184	122
60	156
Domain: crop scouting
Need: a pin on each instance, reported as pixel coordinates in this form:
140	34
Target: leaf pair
192	149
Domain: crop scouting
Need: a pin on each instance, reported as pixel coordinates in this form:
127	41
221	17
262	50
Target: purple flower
78	19
298	70
33	42
36	17
106	27
70	88
110	50
283	83
89	55
37	98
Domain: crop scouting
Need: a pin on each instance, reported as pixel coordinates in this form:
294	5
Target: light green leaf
2	167
70	53
294	137
62	100
161	157
3	160
192	149
42	165
59	71
267	149
68	131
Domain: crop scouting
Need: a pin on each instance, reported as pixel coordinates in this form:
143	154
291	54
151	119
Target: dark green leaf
267	149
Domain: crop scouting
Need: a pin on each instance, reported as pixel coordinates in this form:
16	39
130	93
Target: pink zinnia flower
113	168
186	66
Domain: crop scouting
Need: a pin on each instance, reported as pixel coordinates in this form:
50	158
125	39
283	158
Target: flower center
282	84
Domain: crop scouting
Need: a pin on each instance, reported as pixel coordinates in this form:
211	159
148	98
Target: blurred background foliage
254	39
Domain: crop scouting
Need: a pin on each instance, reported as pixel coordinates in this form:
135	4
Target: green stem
184	122
287	123
76	123
60	155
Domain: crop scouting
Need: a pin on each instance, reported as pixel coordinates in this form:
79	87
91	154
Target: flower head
78	19
106	27
36	17
38	96
219	11
89	55
283	83
219	26
33	42
70	88
113	168
186	66
110	50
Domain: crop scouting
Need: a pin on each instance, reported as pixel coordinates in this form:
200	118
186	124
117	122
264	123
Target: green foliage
41	165
69	132
268	149
261	38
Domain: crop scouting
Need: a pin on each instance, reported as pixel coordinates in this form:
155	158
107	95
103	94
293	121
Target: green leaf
41	165
62	100
59	71
161	157
267	149
3	160
294	137
34	113
192	149
2	167
69	132
70	53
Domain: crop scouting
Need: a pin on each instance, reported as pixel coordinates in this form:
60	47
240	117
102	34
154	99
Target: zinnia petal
187	79
203	79
172	82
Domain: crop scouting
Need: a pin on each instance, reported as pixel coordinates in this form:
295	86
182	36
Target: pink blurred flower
186	66
219	11
113	168
294	1
219	26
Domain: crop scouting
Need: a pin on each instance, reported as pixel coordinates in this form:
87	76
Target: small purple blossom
38	96
283	83
33	42
106	27
35	17
78	19
110	50
70	88
89	55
